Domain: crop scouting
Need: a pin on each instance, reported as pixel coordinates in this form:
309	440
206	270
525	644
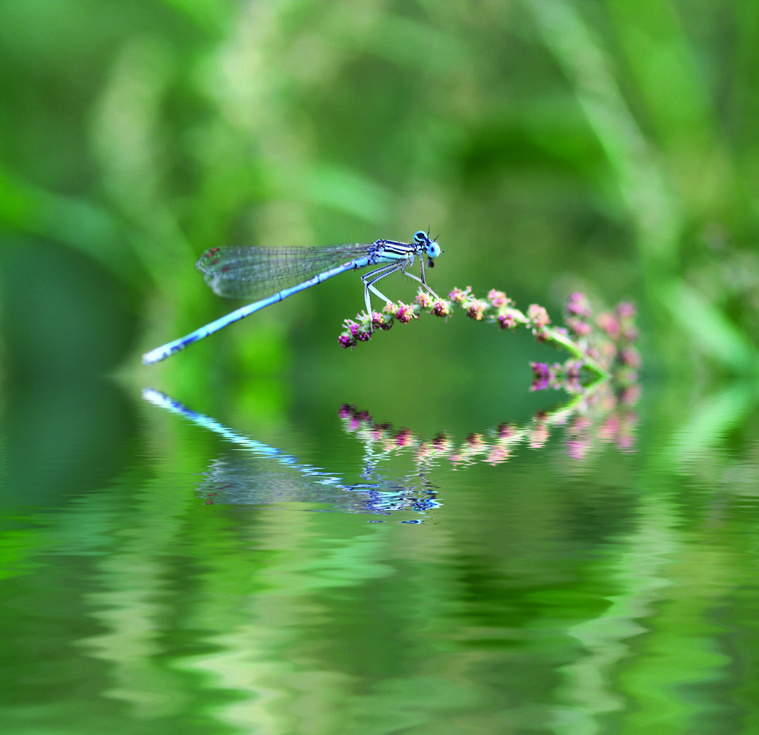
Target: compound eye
420	237
433	249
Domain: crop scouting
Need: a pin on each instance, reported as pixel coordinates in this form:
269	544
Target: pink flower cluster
598	344
364	326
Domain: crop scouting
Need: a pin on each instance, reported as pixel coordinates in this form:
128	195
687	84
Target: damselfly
268	274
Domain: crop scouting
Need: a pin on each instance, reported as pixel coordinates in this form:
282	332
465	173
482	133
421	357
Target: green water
165	570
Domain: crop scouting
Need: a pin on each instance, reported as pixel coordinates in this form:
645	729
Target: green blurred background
603	145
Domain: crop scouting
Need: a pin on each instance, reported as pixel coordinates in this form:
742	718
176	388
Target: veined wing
258	272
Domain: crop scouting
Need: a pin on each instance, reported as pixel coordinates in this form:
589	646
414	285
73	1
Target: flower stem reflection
594	417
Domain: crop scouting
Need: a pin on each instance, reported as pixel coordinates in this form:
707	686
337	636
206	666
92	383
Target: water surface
589	570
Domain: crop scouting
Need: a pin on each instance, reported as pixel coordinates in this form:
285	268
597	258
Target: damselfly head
430	247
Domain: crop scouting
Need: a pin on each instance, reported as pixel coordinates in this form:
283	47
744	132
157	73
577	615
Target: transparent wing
258	272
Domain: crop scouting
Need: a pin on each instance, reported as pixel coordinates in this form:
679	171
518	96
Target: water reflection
243	479
572	592
591	418
588	420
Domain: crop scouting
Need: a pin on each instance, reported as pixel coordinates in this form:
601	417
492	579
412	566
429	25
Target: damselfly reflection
263	475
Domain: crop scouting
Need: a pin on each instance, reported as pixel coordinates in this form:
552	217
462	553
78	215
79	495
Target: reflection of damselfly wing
241	479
